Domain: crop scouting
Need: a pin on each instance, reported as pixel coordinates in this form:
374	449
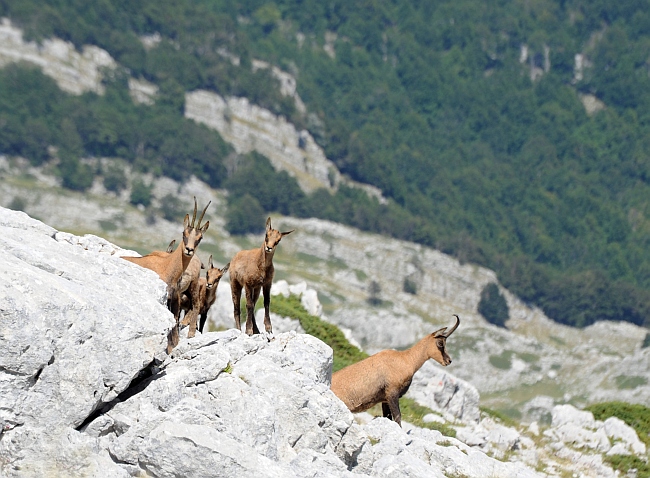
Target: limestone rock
441	391
74	72
75	330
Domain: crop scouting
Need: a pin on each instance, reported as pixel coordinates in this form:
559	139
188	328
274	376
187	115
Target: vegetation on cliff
467	115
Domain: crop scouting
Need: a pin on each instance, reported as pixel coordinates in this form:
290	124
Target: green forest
428	101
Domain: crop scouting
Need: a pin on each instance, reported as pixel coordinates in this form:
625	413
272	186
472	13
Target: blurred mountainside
514	136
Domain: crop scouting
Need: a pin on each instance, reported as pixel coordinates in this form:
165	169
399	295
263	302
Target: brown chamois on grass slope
253	269
387	375
170	266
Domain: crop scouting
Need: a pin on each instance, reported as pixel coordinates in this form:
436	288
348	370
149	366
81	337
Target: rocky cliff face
74	72
87	390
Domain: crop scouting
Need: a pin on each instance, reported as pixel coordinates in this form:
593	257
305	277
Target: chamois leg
393	406
173	337
267	304
174	304
195	308
252	293
236	302
386	410
193	318
203	317
186	317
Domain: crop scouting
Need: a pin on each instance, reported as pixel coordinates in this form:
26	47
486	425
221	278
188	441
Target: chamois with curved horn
170	266
253	269
387	375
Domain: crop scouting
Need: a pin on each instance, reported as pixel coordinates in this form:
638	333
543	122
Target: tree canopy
467	115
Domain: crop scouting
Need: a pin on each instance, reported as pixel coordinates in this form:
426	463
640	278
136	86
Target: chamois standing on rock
188	289
253	269
387	375
205	296
170	266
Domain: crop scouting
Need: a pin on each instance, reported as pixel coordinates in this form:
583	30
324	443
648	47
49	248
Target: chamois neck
178	264
267	257
419	353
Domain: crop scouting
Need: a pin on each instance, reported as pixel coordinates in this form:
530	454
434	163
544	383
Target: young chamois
253	269
170	266
204	296
387	375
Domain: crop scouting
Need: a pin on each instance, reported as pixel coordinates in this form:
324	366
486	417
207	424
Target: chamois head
439	351
192	234
272	238
214	274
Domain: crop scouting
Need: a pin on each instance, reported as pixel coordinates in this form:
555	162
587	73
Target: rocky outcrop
579	429
248	127
86	388
454	398
74	72
75	334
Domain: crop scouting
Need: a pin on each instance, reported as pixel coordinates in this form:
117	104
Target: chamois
170	267
387	375
188	291
207	294
189	281
253	269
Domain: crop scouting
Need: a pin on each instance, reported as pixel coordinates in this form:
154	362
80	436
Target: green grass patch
528	358
636	416
108	226
308	258
629	382
503	361
499	416
344	352
414	413
624	463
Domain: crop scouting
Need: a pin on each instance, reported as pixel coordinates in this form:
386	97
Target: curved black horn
454	327
194	215
203	214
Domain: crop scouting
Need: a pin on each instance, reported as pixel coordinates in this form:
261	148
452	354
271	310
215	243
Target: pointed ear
210	262
186	221
268	224
205	226
439	332
288	232
225	268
